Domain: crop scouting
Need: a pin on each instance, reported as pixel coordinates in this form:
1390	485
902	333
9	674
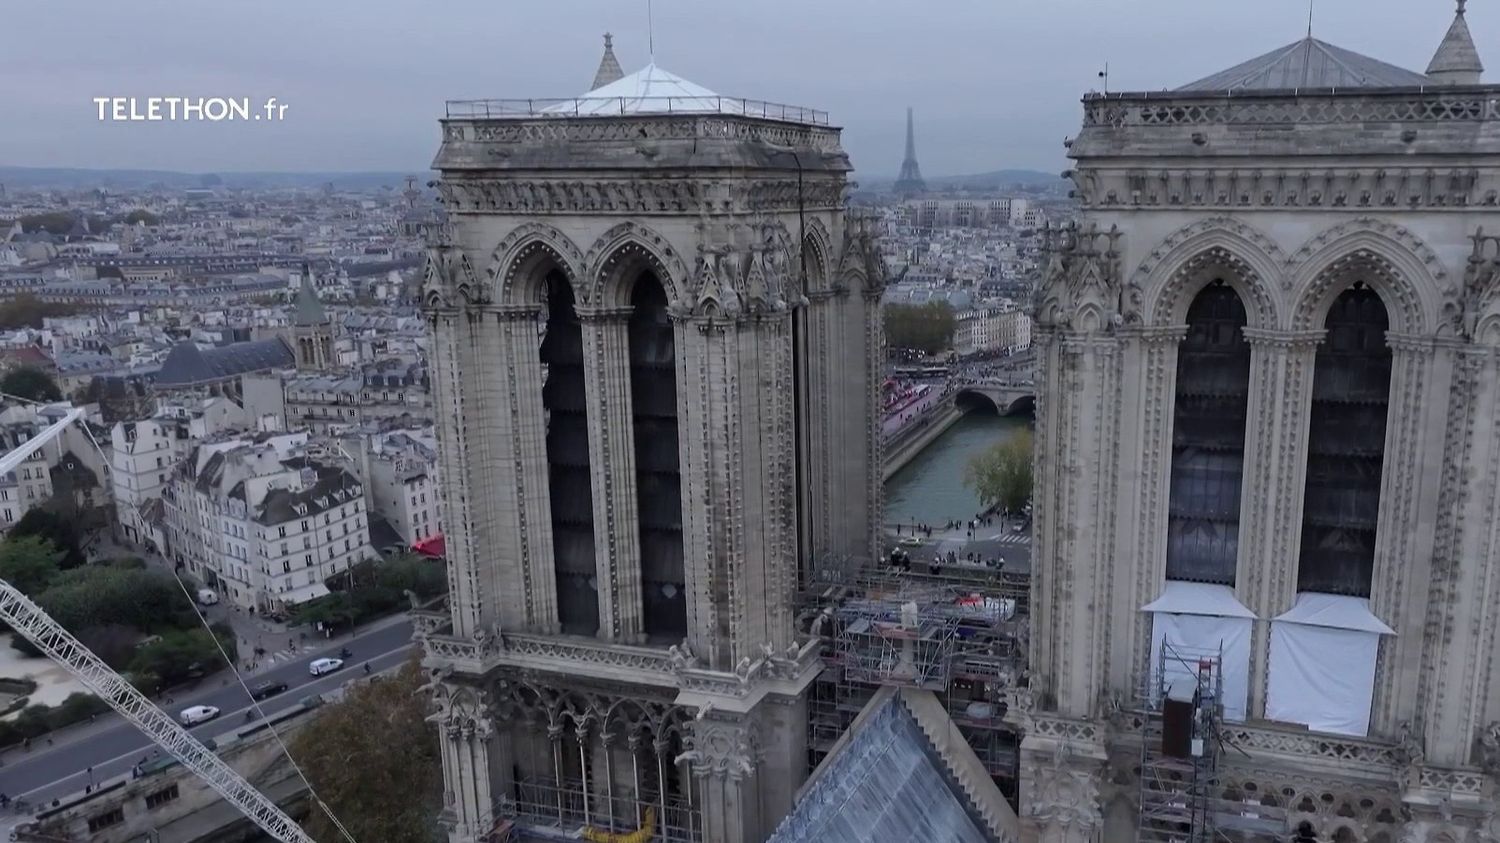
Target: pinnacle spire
609	66
309	310
1457	59
910	181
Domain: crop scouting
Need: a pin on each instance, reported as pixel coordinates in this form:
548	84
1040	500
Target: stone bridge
1005	397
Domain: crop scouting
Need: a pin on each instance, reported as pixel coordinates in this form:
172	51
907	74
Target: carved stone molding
614	129
516	257
1402	297
626	244
1228	187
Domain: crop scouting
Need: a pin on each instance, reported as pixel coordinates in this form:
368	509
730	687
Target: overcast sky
995	83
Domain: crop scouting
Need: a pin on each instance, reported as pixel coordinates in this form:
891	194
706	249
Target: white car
318	667
193	715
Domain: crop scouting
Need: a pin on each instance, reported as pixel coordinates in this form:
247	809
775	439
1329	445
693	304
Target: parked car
267	689
318	667
195	714
207	596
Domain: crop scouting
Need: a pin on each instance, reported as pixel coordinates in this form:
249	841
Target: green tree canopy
30	383
29	563
27	311
374	759
1003	473
179	655
927	328
98	595
43	522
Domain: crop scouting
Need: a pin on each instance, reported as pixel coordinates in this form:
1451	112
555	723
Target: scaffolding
1182	799
959	632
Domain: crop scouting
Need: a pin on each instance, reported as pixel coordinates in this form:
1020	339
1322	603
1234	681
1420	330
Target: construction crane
33	624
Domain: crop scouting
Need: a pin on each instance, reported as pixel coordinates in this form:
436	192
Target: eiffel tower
910	183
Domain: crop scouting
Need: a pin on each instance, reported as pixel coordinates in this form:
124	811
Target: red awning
432	547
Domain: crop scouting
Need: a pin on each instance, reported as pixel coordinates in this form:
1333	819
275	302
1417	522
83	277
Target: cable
255	704
234	668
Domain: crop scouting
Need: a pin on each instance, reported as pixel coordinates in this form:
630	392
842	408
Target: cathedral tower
1268	439
656	335
312	330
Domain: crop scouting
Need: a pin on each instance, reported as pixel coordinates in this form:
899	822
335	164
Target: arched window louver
1208	439
565	402
653	394
1346	447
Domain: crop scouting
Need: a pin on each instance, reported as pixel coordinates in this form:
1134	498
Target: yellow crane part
640	835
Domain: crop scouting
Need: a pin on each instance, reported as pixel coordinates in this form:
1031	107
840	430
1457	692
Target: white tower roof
650	90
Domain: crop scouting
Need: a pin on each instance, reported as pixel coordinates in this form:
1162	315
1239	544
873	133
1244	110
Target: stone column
1060	797
1281	373
724	767
874	367
1409	495
1073	549
617	544
528	508
735	432
466	773
452	373
1461	615
1149	391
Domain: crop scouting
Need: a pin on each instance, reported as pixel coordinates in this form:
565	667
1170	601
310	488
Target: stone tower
655	342
1268	433
312	330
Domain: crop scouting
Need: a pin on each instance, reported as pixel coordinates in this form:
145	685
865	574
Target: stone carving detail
1465	307
721	747
614	129
1433	107
1217	234
513	255
555	649
621	243
1063	797
859	258
1358	190
448	280
737	282
1361	264
1080	290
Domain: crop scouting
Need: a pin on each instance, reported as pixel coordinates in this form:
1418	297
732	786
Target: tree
29	563
374	760
43	522
927	328
30	383
99	595
1003	473
27	311
182	654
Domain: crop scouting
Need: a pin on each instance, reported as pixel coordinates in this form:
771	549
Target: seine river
931	488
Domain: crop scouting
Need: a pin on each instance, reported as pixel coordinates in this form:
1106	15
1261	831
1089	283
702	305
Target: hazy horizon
365	84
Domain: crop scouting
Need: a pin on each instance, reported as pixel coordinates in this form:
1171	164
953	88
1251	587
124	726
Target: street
112	746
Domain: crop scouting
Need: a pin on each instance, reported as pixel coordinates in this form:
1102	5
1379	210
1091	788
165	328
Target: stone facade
559	231
1290	201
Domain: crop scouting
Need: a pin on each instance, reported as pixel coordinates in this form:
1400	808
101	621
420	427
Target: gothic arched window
1208	439
1345	447
569	478
653	394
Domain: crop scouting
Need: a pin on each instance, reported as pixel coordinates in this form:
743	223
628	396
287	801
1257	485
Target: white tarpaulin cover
1197	619
1322	668
648	90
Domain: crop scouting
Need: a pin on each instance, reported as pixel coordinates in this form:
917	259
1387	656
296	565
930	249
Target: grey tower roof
309	310
1309	63
189	365
609	66
1457	59
903	772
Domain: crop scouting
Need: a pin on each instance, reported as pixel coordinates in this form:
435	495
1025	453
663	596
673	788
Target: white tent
1322	668
649	90
1190	620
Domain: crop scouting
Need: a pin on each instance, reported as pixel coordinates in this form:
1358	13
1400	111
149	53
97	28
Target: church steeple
609	66
1457	59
